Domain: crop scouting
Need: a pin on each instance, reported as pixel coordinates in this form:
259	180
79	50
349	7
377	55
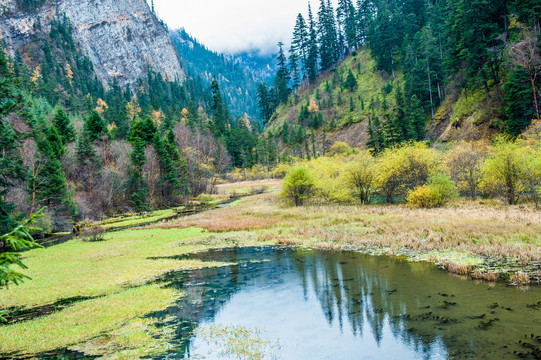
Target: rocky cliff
121	37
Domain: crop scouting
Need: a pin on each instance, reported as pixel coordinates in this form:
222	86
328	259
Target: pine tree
417	118
193	115
518	98
49	185
218	111
300	45
294	69
11	164
351	82
95	126
327	38
282	77
122	122
312	68
137	188
89	163
264	102
62	123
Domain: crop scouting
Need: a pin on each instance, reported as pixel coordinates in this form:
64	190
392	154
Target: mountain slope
318	115
122	38
238	75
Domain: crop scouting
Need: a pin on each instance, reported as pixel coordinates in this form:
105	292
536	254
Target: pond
279	303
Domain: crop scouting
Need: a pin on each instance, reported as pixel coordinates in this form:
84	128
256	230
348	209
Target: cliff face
121	37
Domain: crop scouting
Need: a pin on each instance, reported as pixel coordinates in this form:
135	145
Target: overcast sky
232	26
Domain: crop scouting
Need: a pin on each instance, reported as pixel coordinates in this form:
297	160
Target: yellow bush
331	178
403	169
281	171
436	193
338	148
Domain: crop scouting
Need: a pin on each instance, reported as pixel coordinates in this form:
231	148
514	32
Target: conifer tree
62	123
417	118
351	82
312	68
265	102
11	163
137	188
193	115
300	44
89	163
95	126
327	39
282	77
294	69
122	122
49	185
218	110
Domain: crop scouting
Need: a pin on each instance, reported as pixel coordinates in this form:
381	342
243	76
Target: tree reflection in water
385	305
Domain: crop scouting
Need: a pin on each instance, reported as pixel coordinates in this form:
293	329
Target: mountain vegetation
408	70
237	75
86	149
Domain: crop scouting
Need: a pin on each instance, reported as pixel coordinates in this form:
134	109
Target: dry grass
228	219
247	187
466	227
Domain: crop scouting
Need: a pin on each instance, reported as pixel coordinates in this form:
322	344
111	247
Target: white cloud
232	26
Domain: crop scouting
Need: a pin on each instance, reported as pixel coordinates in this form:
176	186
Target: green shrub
299	186
439	190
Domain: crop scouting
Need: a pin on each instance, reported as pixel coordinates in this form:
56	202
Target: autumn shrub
439	190
504	171
298	186
464	165
281	171
403	169
330	178
361	175
204	198
93	233
338	148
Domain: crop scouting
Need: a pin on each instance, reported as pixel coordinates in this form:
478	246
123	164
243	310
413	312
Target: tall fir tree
11	162
300	44
281	80
137	187
219	111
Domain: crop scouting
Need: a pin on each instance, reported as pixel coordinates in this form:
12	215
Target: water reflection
344	305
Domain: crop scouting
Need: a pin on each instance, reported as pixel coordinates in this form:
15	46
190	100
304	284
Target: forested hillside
237	75
86	149
406	70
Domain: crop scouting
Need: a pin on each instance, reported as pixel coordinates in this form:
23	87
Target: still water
304	304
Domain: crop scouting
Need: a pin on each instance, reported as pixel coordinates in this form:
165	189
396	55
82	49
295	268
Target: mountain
238	75
121	38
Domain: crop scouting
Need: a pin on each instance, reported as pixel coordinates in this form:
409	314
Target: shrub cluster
427	177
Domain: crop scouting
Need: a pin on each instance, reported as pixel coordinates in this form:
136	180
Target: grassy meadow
478	238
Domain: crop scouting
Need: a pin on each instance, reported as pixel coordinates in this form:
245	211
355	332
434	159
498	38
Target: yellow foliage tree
69	73
361	176
403	169
36	75
101	106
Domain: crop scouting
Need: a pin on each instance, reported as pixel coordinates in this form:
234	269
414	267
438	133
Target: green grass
87	320
78	268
